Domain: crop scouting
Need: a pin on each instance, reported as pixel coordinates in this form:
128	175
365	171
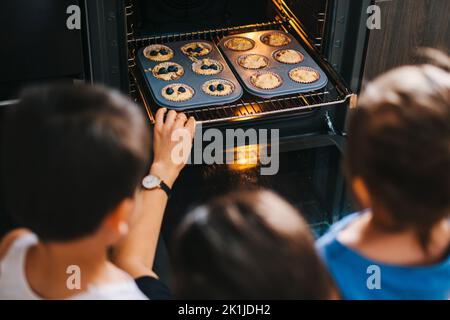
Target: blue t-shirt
360	278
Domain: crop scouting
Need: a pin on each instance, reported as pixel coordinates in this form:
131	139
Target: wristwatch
152	182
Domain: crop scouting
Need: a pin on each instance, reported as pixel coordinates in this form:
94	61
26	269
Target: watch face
151	182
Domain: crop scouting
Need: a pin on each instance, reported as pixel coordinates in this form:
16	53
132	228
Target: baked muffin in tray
253	61
266	80
177	92
288	56
207	67
304	75
275	39
196	49
218	87
168	71
239	44
158	52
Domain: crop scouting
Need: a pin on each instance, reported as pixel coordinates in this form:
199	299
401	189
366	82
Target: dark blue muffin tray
288	85
190	78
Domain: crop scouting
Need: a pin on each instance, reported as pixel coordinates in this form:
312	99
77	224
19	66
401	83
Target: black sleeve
153	288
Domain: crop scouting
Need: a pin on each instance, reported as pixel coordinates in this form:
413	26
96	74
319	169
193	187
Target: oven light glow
247	112
245	157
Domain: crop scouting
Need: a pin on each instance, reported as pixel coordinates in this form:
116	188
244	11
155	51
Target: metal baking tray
288	85
194	80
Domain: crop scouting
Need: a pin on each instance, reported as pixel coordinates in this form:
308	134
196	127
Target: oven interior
160	21
310	175
308	179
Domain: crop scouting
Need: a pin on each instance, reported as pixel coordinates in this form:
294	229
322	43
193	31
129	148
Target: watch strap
165	188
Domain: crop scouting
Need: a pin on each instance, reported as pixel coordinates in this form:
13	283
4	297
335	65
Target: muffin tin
288	86
190	78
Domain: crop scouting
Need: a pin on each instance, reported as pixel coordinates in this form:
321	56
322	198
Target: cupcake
196	49
275	39
168	71
207	67
239	44
304	75
266	80
218	87
253	61
158	52
177	92
288	56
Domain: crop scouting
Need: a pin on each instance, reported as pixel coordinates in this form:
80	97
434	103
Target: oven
332	31
311	125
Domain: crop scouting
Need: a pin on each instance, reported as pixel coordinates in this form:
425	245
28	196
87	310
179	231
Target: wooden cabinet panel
405	26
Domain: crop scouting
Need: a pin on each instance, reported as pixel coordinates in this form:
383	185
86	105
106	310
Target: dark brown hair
71	154
233	249
399	144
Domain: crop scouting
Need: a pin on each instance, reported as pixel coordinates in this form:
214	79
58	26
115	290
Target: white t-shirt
14	284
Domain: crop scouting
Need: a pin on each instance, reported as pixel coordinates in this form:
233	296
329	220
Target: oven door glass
312	180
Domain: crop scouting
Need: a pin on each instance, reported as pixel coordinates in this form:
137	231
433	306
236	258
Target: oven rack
249	106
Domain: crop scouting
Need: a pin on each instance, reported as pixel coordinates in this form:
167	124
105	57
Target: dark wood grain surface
405	26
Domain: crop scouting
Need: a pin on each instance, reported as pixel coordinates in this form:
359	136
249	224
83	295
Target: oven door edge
106	43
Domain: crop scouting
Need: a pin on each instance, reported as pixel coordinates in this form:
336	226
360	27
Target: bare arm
136	252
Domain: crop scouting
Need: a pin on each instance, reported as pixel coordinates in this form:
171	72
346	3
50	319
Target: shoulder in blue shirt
360	278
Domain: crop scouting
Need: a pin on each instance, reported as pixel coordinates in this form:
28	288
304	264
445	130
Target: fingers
159	118
170	119
180	120
174	119
190	125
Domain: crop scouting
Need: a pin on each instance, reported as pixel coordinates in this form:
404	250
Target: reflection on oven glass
245	157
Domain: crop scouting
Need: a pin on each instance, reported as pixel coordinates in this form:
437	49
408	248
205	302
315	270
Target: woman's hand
135	254
172	143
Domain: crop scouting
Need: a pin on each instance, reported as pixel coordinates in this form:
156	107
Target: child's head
73	158
248	245
398	157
